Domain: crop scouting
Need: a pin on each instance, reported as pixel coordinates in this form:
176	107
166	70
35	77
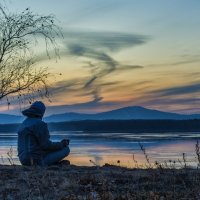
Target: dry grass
92	183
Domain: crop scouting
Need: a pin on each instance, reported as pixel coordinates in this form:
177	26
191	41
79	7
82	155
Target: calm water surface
101	148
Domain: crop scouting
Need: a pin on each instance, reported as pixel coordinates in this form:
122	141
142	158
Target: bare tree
19	75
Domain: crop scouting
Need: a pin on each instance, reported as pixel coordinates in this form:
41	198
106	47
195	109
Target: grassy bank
106	183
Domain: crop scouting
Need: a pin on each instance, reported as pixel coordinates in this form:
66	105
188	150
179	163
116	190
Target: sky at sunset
118	53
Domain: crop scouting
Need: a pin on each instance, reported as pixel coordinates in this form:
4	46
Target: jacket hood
36	109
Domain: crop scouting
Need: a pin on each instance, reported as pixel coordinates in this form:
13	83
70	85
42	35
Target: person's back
30	134
34	145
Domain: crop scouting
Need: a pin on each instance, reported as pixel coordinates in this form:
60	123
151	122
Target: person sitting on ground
34	144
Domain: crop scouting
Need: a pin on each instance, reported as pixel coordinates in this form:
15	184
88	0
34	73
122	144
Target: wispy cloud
85	107
180	90
181	60
172	101
112	41
94	50
176	99
103	63
81	88
95	47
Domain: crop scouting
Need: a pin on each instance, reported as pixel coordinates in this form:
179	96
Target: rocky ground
107	183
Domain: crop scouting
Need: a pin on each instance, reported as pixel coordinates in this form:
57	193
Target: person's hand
65	142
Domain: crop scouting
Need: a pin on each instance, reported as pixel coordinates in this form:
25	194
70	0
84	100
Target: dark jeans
55	156
50	158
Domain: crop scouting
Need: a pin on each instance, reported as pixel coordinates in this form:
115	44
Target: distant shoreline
131	126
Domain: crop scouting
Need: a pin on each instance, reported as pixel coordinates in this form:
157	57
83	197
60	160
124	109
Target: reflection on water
109	148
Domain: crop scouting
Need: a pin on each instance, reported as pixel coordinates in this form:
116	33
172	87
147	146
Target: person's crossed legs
56	156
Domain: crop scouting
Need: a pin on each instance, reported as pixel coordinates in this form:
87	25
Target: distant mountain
127	113
10	119
134	112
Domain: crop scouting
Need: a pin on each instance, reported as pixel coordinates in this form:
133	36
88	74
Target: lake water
116	148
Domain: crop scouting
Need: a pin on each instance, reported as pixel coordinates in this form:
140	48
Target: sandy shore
107	183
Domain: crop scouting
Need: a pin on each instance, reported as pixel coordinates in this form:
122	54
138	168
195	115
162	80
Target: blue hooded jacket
34	139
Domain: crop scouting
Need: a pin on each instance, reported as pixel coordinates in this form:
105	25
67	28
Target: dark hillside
140	126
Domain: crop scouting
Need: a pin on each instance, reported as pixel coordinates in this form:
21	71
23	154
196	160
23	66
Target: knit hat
36	109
